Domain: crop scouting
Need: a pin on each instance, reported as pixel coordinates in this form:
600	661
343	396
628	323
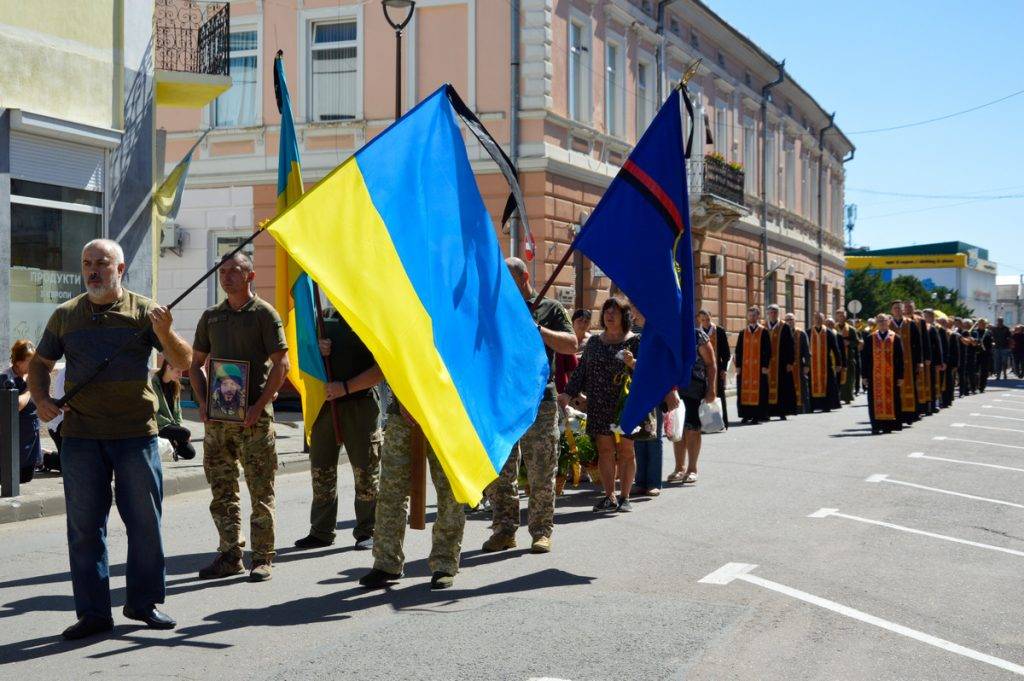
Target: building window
721	59
772	167
836	302
223	245
722	129
751	286
815	183
790	177
790	293
644	98
613	90
805	188
579	68
789	109
694	41
747	80
240	105
772	285
334	71
749	155
674	26
808	304
837	208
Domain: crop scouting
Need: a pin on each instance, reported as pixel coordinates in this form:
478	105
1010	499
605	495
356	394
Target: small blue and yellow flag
293	291
400	242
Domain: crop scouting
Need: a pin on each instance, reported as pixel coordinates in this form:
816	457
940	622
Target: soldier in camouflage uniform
393	510
356	396
539	445
243	328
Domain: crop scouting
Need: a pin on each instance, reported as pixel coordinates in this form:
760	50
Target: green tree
868	287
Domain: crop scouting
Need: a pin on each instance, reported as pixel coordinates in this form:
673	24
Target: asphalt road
933	594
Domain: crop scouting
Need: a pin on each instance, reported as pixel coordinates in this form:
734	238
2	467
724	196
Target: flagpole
321	332
551	280
77	387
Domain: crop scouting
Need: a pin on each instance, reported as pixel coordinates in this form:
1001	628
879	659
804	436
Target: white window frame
789	174
647	61
307	18
584	114
805	186
722	145
615	98
750	155
213	289
242	24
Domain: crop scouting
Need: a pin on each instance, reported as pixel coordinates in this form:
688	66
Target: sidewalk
44	496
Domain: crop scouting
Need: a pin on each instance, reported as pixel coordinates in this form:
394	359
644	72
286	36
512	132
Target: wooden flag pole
321	333
551	280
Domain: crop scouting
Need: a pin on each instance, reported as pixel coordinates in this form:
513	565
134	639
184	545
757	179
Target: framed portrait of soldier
228	390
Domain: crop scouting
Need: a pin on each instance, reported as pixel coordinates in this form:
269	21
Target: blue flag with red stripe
639	235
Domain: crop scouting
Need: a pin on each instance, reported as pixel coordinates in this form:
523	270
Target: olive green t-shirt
120	403
551	315
250	334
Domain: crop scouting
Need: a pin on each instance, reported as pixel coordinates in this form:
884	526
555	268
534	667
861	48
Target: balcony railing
714	177
192	37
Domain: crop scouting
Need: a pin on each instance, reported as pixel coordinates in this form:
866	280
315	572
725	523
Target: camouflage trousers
539	450
362	439
225	447
393	506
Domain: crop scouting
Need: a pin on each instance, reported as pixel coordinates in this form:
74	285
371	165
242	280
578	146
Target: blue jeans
648	463
88	466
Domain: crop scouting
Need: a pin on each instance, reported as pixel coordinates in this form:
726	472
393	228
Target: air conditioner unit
172	238
716	266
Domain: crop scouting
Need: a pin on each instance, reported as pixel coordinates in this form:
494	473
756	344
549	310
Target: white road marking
884	477
974	425
998	416
989	406
829	512
922	455
976	442
741	571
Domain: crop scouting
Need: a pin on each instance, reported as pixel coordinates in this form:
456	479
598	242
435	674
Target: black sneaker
364	544
606	505
624	505
311	542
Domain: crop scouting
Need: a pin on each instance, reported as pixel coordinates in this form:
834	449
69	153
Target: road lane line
976	442
884	477
922	455
741	571
998	416
830	512
989	406
975	425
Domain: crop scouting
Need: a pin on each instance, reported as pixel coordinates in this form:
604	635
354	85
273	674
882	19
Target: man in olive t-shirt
109	433
539	445
243	328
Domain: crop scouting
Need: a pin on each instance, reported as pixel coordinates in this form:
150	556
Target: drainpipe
660	56
765	96
821	186
513	119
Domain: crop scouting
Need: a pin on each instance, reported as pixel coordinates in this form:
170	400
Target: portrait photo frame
227	390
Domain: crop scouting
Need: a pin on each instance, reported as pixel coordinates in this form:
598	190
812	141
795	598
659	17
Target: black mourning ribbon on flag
515	198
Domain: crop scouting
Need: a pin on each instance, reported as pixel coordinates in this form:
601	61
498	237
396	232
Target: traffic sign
854	306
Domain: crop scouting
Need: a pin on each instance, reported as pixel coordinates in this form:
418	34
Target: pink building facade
588	87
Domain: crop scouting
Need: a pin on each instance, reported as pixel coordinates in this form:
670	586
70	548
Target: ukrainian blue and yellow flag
293	291
400	242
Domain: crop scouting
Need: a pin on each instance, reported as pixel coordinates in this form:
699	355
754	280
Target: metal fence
710	176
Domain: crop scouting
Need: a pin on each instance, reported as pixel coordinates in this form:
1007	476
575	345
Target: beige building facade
587	89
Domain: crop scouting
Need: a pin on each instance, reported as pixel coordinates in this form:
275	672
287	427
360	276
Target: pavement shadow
340	606
853	432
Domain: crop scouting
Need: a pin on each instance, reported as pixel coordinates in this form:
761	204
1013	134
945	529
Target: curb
177	480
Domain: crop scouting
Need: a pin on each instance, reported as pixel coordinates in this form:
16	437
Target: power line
939	118
922	210
972	195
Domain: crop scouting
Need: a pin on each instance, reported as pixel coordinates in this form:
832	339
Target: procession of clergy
909	363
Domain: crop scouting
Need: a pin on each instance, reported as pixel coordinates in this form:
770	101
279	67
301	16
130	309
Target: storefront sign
905	262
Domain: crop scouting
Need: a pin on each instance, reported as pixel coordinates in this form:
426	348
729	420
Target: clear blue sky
879	64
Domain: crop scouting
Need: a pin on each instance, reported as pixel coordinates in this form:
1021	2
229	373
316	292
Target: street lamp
399	26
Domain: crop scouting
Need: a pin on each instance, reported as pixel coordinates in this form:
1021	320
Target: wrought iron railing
713	176
193	36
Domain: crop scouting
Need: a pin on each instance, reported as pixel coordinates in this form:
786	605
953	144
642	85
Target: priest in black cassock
720	348
824	377
753	355
781	391
939	358
801	365
922	375
953	349
910	335
882	364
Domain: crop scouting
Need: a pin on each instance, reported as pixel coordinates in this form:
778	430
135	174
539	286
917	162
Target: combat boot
541	545
226	564
499	541
261	570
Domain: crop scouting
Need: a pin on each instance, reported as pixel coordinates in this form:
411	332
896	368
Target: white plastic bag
673	422
711	420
